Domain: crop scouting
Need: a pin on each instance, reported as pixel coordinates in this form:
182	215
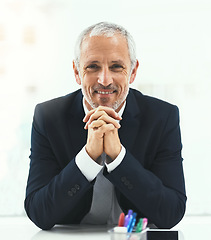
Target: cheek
123	79
87	86
89	81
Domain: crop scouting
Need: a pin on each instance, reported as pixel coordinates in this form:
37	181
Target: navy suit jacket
149	180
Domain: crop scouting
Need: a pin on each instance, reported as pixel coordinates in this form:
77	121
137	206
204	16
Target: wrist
113	155
95	156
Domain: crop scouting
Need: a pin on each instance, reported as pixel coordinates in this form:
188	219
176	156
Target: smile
102	92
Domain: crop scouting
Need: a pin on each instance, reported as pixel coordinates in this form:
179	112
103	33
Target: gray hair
108	30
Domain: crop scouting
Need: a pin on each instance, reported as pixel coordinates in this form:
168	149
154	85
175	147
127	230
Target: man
106	148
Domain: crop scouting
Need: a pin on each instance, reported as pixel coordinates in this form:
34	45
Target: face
105	71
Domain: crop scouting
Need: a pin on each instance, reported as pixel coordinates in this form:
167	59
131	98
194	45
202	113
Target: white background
37	39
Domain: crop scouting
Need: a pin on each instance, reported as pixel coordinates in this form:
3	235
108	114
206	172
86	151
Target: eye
92	67
117	67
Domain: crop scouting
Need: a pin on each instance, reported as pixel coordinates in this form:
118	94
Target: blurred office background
37	38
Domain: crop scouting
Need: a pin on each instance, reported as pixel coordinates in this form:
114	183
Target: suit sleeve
53	192
156	192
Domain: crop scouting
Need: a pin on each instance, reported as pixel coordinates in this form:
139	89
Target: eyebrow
118	61
91	62
95	61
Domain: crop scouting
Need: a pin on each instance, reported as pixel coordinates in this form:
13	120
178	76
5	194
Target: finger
102	115
105	118
108	127
97	124
102	127
107	110
110	112
105	128
109	120
86	118
96	115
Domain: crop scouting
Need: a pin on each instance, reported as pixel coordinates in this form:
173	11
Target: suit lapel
78	134
130	122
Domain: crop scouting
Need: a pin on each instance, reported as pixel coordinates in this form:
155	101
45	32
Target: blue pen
132	222
128	218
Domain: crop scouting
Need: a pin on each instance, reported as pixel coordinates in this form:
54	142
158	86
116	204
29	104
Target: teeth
104	92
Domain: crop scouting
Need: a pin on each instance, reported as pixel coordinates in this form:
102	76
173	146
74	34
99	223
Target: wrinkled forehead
104	43
101	48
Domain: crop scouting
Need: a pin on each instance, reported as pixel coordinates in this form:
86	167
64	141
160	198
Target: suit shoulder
60	100
58	103
57	107
156	110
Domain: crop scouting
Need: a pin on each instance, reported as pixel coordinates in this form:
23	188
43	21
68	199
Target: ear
76	73
133	74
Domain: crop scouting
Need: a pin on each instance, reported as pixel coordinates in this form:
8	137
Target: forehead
105	47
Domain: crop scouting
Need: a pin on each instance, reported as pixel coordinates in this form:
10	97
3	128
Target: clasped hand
103	135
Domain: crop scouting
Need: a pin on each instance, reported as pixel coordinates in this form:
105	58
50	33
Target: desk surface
19	228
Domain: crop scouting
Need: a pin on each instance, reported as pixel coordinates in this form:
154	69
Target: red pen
121	220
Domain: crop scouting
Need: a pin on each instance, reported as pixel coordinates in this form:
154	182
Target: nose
105	77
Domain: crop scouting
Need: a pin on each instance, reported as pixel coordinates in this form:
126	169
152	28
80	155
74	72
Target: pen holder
147	234
126	235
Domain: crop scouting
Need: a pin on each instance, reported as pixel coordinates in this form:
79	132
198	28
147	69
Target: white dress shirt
88	166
